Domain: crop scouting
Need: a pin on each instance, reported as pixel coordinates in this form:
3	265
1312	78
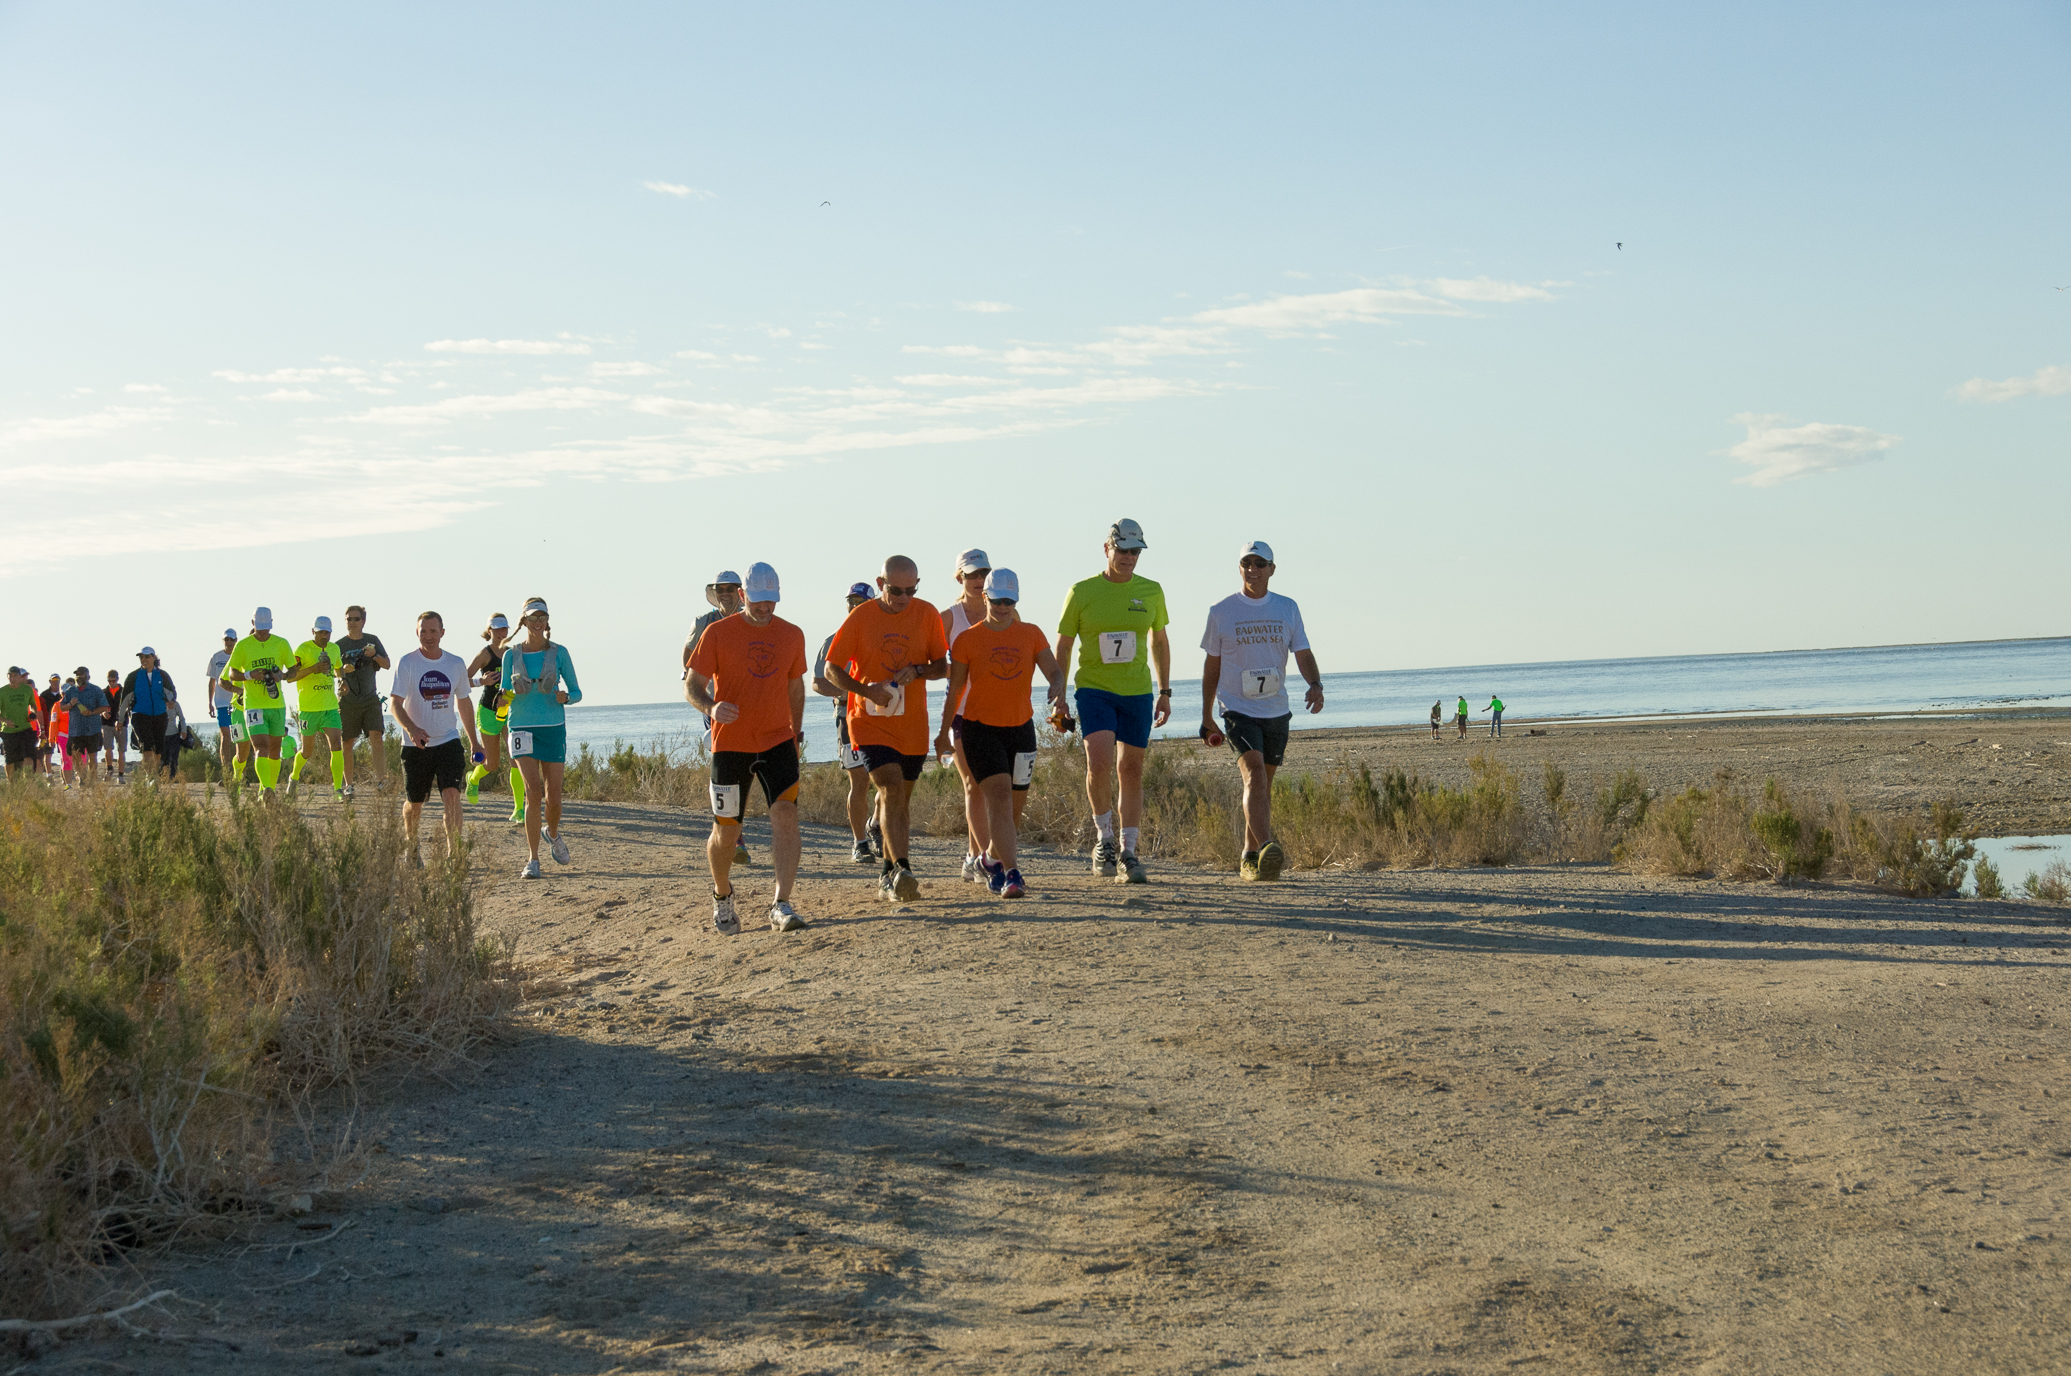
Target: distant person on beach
223	702
18	712
84	701
883	650
1249	636
428	693
485	670
1495	709
540	678
724	593
1437	716
991	669
748	675
869	837
359	697
1121	618
1460	718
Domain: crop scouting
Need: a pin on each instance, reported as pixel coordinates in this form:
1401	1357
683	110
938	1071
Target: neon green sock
269	771
337	769
287	765
477	774
242	770
517	792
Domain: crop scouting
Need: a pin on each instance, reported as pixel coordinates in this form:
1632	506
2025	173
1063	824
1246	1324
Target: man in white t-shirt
428	693
230	740
1249	637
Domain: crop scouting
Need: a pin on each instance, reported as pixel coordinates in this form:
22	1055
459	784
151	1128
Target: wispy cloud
1779	451
507	346
984	307
291	394
677	189
1487	289
150	387
2052	381
288	375
454	408
103	422
1360	305
632	368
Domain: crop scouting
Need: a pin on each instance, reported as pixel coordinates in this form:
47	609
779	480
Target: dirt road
1554	1119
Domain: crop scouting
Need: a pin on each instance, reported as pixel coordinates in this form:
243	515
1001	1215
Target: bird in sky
1621	245
826	203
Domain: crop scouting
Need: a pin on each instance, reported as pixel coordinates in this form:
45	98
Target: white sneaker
348	793
723	920
783	918
559	848
885	889
904	886
1107	858
531	870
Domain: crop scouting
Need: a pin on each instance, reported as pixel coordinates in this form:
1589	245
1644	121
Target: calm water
1901	678
2017	857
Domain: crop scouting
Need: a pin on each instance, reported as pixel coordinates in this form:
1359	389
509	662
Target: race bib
1024	767
897	709
851	758
521	743
254	717
1118	647
1261	683
726	800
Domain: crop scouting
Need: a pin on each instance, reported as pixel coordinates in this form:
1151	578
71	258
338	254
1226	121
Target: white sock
1106	823
1129	839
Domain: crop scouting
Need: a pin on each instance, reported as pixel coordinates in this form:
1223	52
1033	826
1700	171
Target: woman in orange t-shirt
991	668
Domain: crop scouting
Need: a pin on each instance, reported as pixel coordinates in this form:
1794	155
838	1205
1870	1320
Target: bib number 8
897	709
521	744
1118	647
1262	683
851	758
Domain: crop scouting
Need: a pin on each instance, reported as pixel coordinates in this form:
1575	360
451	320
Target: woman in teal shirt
539	677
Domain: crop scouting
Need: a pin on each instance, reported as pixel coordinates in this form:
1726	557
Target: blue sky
450	309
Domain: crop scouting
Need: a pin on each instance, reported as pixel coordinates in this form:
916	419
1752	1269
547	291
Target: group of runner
745	669
65	731
1494	709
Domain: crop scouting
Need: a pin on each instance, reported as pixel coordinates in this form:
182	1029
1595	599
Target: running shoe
723	920
338	795
904	886
1013	888
1271	860
474	789
784	918
293	784
991	870
531	870
862	855
1105	858
517	816
559	848
996	881
974	870
886	889
875	831
1132	869
346	794
1247	868
741	856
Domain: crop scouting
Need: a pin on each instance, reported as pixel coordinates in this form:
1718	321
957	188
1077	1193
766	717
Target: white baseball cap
1001	585
971	559
323	623
1258	548
761	585
1126	534
723	576
262	619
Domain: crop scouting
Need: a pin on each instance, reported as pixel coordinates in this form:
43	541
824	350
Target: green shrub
1901	855
1791	846
1985	877
2053	885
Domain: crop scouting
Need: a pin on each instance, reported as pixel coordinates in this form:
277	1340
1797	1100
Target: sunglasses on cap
891	591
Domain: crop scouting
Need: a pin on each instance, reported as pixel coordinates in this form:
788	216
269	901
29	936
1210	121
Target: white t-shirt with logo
219	670
1253	637
433	691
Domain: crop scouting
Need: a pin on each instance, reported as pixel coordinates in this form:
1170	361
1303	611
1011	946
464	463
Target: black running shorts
876	757
21	746
425	765
149	729
991	750
776	767
1267	735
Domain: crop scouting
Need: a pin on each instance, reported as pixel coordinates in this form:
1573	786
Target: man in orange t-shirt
996	660
886	647
748	675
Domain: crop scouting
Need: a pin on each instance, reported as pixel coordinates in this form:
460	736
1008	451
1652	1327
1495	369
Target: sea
1887	680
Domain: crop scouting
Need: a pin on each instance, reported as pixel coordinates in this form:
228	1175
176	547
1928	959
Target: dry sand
1546	1119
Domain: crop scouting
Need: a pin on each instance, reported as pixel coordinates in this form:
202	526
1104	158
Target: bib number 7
1118	647
1262	683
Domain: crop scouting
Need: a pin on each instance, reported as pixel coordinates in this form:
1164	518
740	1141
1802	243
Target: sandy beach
1554	1119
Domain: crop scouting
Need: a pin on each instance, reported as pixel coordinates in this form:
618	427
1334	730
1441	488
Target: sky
1521	333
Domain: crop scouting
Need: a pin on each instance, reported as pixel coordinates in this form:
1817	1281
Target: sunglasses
891	591
999	601
969	574
1253	564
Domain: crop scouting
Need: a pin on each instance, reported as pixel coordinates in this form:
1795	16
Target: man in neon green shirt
1460	719
1495	707
318	663
1122	619
259	664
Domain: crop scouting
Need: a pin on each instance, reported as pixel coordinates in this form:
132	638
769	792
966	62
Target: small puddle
2017	857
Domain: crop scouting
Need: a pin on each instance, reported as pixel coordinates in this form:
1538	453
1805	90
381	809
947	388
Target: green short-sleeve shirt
1113	623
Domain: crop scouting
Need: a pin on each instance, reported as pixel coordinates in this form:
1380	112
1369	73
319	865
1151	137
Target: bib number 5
1118	647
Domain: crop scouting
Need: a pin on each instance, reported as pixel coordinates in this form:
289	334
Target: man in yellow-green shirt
318	663
258	665
1121	618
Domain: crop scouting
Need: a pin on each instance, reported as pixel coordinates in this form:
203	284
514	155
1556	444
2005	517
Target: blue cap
861	590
